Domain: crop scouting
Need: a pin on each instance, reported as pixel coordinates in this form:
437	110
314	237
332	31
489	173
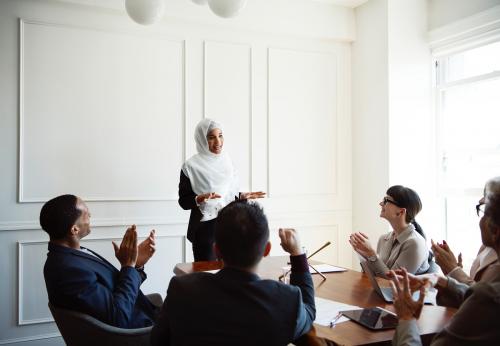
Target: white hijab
209	172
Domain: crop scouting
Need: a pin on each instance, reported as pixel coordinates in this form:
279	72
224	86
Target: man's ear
74	230
267	249
217	251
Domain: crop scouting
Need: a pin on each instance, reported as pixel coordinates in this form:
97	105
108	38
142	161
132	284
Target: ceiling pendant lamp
226	8
145	12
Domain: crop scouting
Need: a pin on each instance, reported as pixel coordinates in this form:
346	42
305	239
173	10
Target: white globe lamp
145	12
226	8
200	2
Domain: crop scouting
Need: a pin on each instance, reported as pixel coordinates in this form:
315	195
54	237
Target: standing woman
405	246
207	184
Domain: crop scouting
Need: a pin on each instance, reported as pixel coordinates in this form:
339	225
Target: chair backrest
79	329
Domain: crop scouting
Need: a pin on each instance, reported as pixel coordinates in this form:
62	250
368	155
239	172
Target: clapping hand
127	252
146	249
290	241
252	195
405	306
445	258
361	244
416	282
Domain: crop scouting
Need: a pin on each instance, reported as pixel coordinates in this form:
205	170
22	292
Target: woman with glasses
404	246
476	322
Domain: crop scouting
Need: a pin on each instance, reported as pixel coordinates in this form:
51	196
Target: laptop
386	292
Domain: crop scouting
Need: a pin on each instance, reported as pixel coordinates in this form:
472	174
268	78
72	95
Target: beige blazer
475	323
479	267
407	250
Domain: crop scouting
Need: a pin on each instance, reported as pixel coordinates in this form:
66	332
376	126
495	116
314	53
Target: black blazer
234	307
187	202
90	284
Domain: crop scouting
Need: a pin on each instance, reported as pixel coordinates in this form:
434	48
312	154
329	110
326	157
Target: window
468	137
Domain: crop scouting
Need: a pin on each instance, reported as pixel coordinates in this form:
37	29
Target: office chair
80	329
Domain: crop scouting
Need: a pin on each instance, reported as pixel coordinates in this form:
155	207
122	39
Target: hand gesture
416	282
405	306
444	256
204	196
146	249
127	252
361	244
252	195
290	241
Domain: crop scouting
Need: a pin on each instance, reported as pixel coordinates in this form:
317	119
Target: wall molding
34	225
21	146
476	30
336	121
30	338
102	222
250	95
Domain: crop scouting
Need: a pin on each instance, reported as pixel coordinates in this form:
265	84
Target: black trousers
203	249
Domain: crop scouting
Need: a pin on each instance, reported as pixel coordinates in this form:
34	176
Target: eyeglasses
387	200
480	209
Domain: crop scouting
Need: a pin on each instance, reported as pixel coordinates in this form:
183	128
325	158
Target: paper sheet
326	268
327	309
214	271
323	268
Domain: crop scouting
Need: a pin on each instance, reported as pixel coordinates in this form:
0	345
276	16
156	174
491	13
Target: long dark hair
409	199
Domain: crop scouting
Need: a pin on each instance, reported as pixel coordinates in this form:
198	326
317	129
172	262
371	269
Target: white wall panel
96	105
32	292
302	122
228	85
100	114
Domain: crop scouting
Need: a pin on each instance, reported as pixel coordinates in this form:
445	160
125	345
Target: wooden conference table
350	287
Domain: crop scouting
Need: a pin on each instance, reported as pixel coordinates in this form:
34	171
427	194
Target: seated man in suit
234	306
79	279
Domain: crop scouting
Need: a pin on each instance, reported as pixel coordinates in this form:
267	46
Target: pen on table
321	248
314	253
335	319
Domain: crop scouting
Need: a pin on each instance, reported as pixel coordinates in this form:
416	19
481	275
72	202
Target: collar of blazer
237	274
64	249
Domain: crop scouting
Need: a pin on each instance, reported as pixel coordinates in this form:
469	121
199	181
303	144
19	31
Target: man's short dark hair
241	233
58	216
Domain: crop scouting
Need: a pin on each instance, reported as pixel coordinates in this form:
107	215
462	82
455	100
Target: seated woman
405	246
476	322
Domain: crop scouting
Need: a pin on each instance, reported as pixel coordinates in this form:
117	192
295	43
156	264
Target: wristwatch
373	258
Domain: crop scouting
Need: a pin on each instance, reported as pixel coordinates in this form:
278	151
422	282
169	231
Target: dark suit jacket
79	281
187	202
235	307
